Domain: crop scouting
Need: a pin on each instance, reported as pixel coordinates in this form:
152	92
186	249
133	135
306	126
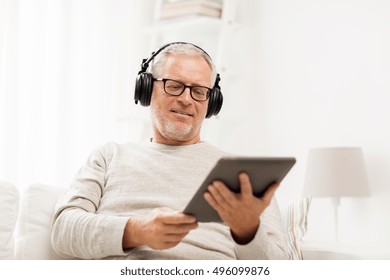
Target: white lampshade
336	172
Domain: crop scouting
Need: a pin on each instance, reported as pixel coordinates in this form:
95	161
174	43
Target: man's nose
185	97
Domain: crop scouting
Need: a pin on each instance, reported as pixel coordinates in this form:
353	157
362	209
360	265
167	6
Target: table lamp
336	172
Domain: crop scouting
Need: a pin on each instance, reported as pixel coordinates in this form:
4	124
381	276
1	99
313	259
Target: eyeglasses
175	88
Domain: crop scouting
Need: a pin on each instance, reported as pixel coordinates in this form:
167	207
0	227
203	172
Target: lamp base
336	205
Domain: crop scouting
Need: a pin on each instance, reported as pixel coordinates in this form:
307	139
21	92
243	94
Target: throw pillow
295	224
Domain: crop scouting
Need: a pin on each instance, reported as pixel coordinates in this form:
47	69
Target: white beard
170	129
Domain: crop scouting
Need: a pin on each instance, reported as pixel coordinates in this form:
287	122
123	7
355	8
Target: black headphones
144	85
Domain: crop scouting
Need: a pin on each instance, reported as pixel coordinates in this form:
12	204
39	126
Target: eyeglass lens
176	88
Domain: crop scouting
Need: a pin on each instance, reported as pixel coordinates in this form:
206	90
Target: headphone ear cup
215	102
143	88
138	86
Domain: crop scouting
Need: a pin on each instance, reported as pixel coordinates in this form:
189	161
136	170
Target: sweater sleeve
77	230
270	241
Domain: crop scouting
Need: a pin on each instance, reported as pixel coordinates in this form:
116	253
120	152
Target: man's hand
162	229
240	211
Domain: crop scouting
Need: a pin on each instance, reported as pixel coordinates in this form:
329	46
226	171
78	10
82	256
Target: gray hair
156	66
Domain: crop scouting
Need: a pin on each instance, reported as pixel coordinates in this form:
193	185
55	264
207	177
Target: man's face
177	120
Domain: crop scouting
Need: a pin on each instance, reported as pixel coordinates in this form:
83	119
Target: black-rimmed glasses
176	88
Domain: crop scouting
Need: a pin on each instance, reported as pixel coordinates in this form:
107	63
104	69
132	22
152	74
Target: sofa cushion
33	229
9	204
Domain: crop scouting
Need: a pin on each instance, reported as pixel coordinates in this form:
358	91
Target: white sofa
9	204
25	223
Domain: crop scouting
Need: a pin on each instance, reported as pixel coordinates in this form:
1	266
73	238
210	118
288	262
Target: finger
210	199
214	204
269	193
169	214
222	193
245	185
219	201
177	218
179	229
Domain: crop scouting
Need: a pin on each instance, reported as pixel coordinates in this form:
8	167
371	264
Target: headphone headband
145	62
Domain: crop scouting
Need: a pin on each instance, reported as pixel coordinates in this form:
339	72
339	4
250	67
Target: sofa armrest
33	229
328	251
327	255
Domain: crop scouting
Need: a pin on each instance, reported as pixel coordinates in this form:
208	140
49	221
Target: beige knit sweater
119	181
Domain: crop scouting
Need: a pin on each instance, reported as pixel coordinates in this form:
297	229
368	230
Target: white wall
322	73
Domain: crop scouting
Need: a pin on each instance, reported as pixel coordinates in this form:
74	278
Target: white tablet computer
262	171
